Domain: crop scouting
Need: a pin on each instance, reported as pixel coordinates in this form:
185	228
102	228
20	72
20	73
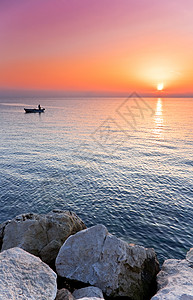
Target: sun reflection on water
158	118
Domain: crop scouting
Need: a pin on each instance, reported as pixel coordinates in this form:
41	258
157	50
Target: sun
160	86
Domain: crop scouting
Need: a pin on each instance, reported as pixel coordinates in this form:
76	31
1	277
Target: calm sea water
126	163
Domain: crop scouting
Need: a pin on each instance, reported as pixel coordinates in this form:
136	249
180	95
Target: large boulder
25	276
94	256
41	235
175	280
88	293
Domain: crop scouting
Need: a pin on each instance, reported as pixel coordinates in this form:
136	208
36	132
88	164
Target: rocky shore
54	256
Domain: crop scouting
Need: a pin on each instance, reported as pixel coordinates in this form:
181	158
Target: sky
114	46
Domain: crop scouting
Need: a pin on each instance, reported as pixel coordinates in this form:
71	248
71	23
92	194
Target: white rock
189	256
90	293
25	277
41	235
94	256
175	281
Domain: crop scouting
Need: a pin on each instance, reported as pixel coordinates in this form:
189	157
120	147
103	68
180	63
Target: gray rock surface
94	256
175	280
189	256
89	293
24	276
41	235
64	294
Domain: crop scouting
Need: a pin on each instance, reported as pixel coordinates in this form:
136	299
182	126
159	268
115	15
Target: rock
94	256
90	293
175	280
189	256
2	229
64	294
41	235
25	276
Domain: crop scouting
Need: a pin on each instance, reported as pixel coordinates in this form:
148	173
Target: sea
124	162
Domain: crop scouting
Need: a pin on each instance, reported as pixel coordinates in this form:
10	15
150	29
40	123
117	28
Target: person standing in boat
39	107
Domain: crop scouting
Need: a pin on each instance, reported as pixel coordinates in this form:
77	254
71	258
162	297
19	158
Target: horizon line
29	93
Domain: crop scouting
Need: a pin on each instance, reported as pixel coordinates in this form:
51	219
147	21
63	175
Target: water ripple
141	190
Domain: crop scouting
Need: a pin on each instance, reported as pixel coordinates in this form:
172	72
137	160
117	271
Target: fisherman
39	107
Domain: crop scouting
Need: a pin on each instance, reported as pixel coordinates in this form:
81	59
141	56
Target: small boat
34	110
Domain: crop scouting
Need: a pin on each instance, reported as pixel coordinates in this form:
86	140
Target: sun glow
160	86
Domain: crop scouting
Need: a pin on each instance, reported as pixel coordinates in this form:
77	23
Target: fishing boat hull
34	110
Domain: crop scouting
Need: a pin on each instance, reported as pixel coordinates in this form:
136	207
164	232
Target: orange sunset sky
97	45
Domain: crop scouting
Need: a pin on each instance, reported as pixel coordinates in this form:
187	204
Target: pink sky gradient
104	45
